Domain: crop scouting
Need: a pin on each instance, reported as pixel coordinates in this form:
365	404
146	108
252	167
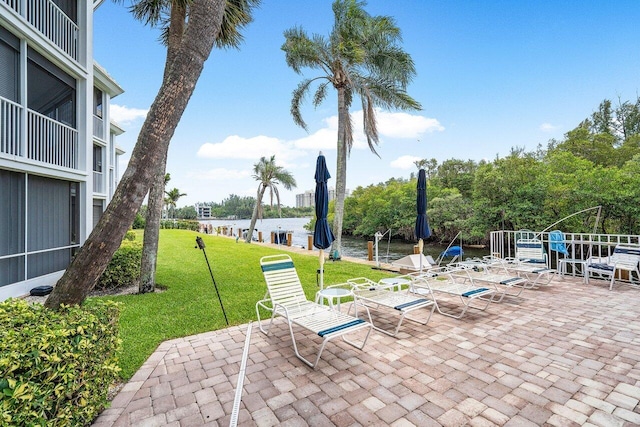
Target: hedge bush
181	224
56	366
139	222
123	269
130	235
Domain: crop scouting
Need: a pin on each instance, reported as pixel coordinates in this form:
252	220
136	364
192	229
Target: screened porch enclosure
42	127
39	224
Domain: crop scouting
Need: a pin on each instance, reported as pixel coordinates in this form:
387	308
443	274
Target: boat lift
377	237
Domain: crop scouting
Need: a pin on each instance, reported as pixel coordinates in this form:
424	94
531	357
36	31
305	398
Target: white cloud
288	153
405	125
236	147
548	127
124	115
322	139
405	162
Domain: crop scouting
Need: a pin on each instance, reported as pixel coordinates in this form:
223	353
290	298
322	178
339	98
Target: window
12	226
69	7
97	102
97	158
49	225
9	66
98	209
50	91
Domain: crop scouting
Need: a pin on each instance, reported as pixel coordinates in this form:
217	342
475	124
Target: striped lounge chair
387	297
286	298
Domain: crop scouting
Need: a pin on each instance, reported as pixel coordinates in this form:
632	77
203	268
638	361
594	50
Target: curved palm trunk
341	171
151	147
254	217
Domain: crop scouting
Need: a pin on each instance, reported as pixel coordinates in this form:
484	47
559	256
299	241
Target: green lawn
189	305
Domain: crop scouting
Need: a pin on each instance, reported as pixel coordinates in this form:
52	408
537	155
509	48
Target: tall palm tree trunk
205	20
254	217
341	171
152	232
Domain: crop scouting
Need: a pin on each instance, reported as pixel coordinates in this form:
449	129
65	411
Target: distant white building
203	211
58	153
308	198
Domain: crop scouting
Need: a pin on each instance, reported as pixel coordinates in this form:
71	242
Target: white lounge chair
624	258
481	273
285	297
530	262
441	282
378	296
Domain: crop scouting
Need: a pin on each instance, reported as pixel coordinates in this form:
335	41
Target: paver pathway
566	355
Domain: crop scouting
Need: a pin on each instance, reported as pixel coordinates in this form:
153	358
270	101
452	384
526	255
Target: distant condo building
308	198
203	211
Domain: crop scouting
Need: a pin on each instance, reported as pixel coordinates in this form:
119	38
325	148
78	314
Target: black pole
202	246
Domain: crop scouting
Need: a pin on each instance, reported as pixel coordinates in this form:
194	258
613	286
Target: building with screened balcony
58	153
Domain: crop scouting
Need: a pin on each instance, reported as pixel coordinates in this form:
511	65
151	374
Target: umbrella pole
420	248
321	269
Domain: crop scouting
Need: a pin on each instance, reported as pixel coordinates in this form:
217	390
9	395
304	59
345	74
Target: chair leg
613	279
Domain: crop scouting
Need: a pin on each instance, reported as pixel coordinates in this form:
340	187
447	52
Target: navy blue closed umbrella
322	234
422	229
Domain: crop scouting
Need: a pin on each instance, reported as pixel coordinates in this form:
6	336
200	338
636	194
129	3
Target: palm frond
297	97
237	15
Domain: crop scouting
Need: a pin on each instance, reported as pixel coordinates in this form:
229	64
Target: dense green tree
186	212
361	57
430	166
269	176
456	173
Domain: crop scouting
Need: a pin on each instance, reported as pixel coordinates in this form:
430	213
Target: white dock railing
51	142
579	245
51	21
10	125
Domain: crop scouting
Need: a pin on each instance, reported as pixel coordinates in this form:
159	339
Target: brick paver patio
565	355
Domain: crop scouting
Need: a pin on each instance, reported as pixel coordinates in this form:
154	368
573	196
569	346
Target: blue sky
491	75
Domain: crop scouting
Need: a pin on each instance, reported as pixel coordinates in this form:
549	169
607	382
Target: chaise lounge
286	298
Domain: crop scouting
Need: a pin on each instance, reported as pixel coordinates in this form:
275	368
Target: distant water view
356	248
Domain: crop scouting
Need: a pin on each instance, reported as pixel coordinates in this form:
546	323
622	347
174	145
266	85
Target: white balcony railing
51	21
51	142
98	128
98	182
10	125
13	4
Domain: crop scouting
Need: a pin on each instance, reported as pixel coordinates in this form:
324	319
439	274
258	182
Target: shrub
56	366
139	222
181	224
130	235
124	268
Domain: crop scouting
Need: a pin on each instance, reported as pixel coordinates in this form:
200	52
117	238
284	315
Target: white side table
331	294
395	281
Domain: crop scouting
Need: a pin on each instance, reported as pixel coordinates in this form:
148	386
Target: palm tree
171	200
269	176
361	57
171	16
147	280
148	155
